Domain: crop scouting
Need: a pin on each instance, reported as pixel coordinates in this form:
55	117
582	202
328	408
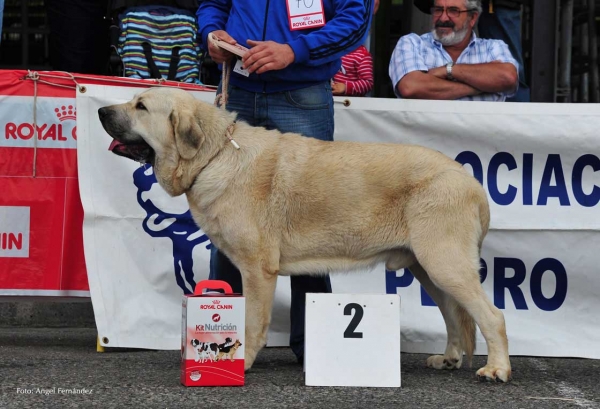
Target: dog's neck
186	171
229	135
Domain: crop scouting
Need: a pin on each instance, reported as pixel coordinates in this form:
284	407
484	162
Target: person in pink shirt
355	76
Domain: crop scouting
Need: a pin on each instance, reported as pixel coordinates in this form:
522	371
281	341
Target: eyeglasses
453	12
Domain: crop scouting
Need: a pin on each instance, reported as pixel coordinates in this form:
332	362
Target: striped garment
422	53
164	28
356	72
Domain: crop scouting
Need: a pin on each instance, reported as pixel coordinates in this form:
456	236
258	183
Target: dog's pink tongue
114	144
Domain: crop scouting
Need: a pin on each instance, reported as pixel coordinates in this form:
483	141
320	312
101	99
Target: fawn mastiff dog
285	204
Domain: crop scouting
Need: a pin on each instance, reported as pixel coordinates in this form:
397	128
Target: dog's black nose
102	113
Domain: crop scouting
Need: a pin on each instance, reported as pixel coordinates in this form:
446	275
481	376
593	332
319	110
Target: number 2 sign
352	340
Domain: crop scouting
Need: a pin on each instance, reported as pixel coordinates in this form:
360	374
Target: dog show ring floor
60	368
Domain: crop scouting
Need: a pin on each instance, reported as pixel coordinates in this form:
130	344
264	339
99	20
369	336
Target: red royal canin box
212	338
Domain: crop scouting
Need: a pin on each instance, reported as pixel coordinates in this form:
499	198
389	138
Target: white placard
305	14
352	340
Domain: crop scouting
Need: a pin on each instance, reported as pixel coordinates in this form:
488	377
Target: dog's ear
188	134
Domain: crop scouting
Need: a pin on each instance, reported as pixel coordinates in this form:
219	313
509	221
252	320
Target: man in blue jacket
284	83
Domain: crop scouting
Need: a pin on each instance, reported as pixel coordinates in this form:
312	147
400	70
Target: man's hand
338	88
492	77
428	85
218	54
267	56
439	72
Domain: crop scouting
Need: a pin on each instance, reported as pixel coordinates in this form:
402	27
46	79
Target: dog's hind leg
452	263
259	290
449	220
459	325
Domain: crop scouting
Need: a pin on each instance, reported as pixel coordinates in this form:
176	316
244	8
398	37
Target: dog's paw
441	362
493	373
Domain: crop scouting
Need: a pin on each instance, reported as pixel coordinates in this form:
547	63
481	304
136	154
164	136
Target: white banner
538	162
55	122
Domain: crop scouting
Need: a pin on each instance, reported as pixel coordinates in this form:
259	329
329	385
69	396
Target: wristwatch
449	71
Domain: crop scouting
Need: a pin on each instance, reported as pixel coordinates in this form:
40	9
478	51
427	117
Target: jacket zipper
264	36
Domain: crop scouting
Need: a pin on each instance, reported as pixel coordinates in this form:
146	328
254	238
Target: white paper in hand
236	49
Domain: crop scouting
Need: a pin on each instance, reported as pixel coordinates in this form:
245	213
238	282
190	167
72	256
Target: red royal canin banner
41	217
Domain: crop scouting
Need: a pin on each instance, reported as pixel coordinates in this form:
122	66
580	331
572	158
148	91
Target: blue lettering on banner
553	170
502	282
528	179
512	284
553	167
471	159
549	265
593	198
392	281
501	158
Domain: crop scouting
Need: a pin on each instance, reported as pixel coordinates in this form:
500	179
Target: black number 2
350	331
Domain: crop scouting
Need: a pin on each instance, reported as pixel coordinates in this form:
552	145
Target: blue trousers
308	111
505	24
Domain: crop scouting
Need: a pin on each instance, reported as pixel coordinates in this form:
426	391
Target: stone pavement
60	368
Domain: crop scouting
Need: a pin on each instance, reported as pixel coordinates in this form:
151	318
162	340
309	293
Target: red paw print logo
216	317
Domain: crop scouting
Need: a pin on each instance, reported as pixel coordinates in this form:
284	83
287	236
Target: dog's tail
484	218
468	330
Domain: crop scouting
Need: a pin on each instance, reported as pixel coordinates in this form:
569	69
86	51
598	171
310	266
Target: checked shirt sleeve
498	51
406	58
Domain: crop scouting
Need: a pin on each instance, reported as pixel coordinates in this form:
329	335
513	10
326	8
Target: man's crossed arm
469	79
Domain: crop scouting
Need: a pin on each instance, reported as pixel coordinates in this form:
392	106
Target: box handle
213	285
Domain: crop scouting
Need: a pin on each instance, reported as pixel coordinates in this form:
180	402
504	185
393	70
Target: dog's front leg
259	289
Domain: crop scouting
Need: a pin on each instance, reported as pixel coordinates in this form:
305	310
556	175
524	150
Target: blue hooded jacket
318	51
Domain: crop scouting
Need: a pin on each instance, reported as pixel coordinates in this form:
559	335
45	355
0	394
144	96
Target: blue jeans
505	24
307	111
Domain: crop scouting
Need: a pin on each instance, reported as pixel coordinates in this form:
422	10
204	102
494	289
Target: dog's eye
140	105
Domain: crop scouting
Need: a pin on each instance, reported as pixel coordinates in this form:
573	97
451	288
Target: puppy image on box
228	351
204	351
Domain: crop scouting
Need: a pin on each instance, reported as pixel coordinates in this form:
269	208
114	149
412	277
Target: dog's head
195	342
145	127
165	127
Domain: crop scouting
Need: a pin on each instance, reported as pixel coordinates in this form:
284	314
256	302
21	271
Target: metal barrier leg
593	46
566	47
99	347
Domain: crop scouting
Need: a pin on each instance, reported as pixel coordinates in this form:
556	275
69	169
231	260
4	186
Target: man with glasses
451	62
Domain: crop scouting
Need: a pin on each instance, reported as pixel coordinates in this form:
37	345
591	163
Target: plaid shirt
422	53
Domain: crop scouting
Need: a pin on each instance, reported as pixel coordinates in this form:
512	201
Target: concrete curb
43	313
